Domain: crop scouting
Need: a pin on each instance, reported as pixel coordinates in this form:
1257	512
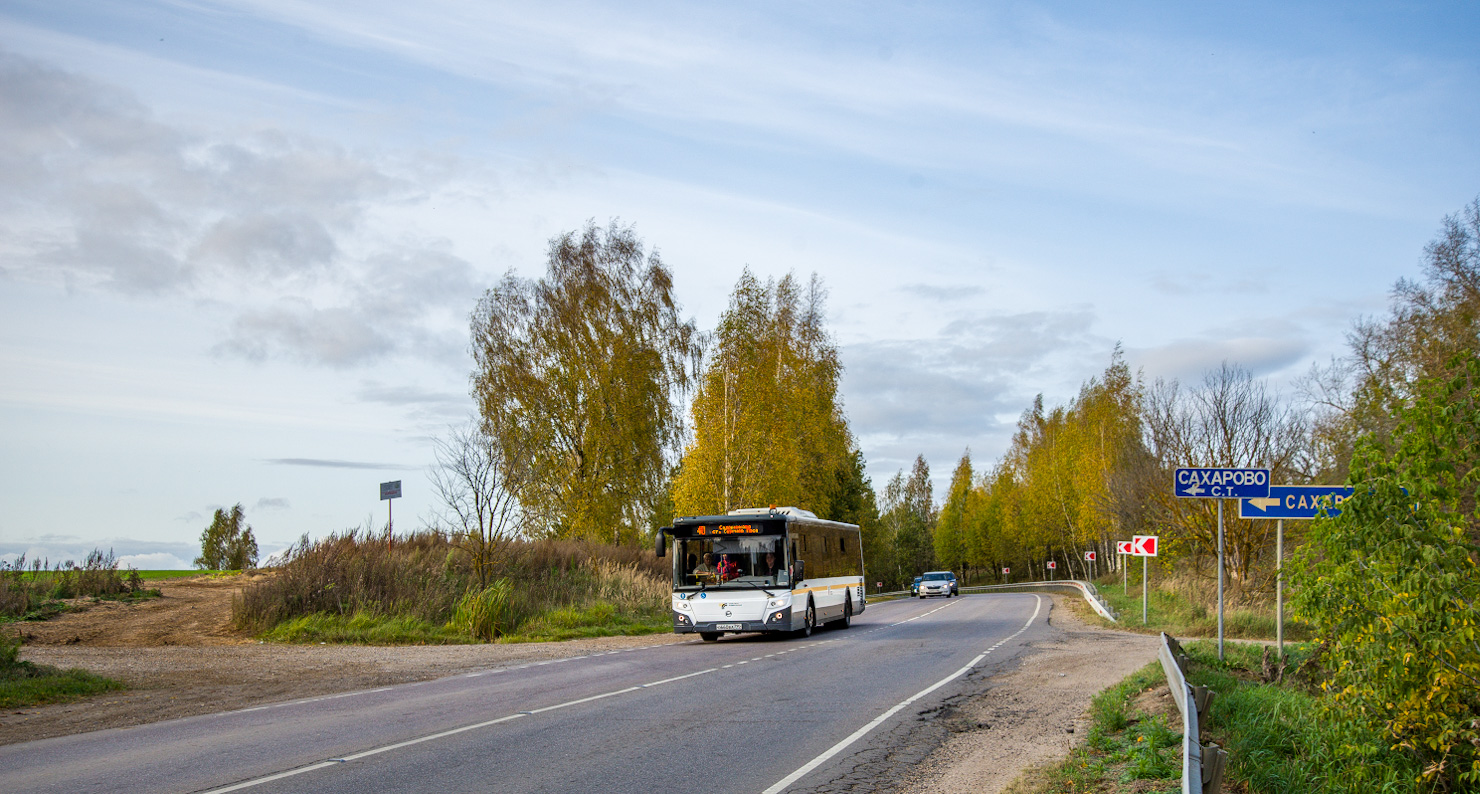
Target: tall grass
341	587
1183	607
26	589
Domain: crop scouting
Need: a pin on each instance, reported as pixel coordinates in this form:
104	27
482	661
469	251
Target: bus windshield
741	562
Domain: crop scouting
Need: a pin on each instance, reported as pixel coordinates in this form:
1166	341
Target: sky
240	240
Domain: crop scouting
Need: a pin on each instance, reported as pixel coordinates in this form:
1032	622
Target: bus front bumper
779	620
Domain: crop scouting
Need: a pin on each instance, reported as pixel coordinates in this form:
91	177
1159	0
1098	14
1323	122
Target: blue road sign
1221	483
1295	501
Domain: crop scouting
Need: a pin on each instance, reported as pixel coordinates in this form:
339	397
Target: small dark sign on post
390	491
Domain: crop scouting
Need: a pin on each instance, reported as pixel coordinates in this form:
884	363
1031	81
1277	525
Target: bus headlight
781	601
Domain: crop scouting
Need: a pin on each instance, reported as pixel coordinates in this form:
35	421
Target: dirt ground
180	657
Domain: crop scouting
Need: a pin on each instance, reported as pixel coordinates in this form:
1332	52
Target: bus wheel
709	636
847	619
810	622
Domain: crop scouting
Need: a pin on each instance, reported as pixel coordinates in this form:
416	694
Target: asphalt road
746	714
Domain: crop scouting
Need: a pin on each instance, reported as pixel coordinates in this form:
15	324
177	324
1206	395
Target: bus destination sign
729	529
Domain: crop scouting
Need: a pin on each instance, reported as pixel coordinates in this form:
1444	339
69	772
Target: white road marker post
1279	585
1220	580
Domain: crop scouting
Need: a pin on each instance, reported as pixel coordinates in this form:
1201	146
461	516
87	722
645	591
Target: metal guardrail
1089	591
1202	765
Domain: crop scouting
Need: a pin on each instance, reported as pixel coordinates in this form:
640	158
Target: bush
26	589
1393	585
554	587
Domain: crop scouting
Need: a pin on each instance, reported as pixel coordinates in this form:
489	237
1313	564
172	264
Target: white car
938	583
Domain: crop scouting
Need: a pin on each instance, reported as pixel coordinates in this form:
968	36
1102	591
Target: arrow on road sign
1123	547
1296	501
1143	545
1090	556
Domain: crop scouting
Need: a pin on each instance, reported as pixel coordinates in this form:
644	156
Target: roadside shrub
487	613
25	588
424	577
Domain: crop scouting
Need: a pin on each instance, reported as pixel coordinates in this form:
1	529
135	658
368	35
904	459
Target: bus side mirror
659	547
799	567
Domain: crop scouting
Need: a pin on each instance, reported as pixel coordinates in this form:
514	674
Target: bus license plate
727	626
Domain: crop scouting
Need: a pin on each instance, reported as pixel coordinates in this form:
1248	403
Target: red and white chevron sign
1089	556
1123	546
1143	546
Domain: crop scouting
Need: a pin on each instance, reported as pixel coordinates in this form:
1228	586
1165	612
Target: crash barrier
1089	591
1202	765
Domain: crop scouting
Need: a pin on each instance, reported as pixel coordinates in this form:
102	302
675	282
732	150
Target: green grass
1176	615
28	684
1279	738
598	620
362	628
50	685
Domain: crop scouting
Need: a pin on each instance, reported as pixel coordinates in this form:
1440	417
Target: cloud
154	561
54	550
951	292
272	503
1189	359
339	464
963	387
273	230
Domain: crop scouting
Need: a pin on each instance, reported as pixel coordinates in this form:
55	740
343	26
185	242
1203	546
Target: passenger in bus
728	568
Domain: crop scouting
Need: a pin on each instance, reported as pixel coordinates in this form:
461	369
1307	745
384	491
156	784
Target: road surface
745	714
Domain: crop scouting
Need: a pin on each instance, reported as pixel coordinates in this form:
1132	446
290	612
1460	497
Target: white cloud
155	561
271	228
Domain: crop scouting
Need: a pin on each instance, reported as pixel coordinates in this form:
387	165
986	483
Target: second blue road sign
1295	501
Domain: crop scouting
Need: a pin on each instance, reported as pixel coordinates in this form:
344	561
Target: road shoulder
1034	714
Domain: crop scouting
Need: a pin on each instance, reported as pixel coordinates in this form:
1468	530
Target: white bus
763	569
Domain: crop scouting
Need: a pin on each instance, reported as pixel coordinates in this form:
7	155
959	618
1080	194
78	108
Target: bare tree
1232	420
480	513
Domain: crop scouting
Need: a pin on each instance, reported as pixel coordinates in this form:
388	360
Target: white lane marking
386	748
443	734
279	776
782	784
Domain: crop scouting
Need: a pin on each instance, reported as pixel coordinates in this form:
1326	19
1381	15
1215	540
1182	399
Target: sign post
1089	557
1291	501
1220	484
1123	547
1143	546
1051	565
389	493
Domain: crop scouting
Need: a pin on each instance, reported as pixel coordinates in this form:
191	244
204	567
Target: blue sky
243	238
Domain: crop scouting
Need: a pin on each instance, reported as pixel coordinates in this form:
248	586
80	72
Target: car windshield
729	562
932	577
